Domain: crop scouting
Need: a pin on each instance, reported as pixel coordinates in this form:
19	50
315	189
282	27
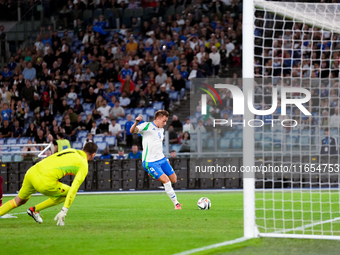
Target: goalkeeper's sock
48	203
171	193
8	206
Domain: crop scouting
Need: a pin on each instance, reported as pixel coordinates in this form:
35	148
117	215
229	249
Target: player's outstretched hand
139	118
60	217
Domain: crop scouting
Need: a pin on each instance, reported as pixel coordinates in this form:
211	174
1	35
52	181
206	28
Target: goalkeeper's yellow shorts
34	182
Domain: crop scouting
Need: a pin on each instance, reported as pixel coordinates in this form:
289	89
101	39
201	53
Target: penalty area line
238	240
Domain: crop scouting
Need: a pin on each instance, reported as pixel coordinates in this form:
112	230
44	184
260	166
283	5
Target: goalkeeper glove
60	217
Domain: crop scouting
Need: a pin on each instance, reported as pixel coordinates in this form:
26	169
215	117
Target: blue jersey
6	114
138	155
120	157
128	125
125	72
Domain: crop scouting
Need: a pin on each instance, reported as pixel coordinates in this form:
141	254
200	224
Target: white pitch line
238	240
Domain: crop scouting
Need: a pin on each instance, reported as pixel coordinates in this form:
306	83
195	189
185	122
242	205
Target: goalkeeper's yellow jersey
66	162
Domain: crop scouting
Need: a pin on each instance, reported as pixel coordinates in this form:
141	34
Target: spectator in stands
163	96
216	60
6	113
134	154
188	127
127	85
106	154
16	130
335	119
88	139
79	125
26	149
124	100
120	153
47	118
94	130
27	93
328	144
31	131
91	96
5	130
115	129
104	126
200	127
177	125
104	110
161	77
40	138
185	142
78	107
173	138
29	72
131	46
209	126
117	110
173	154
179	85
128	135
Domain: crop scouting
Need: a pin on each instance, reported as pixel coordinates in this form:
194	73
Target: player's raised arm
134	128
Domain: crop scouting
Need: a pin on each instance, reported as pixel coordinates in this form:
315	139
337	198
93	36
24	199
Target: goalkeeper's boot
35	215
178	206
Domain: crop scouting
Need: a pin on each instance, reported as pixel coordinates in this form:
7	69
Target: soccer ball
204	203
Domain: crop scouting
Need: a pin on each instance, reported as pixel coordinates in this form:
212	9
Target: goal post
292	45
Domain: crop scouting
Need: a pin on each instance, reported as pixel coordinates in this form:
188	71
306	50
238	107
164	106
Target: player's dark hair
326	129
90	147
61	135
161	113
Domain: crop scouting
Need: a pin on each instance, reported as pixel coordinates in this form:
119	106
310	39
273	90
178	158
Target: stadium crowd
94	78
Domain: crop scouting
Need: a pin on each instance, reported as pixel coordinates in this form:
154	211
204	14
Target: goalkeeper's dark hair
90	147
161	113
61	135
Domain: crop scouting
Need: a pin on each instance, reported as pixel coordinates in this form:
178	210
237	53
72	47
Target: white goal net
297	45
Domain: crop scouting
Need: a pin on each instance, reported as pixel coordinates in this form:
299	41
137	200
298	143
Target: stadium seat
17	158
174	96
148	13
237	143
77	145
97	13
150	112
180	9
101	146
15	149
87	112
107	14
225	143
158	106
138	12
11	141
2	141
82	133
138	111
98	139
169	11
23	140
82	139
87	17
58	118
6	158
111	140
122	123
188	85
83	116
87	106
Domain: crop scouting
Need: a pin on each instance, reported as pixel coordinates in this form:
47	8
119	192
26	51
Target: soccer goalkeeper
43	177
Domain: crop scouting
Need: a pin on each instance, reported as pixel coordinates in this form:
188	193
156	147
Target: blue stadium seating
11	141
17	158
174	96
82	139
87	106
77	145
82	133
224	143
6	158
237	143
138	111
101	146
98	139
158	106
111	140
150	112
122	123
23	140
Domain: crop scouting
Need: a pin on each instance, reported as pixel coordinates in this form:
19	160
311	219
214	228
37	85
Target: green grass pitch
143	224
